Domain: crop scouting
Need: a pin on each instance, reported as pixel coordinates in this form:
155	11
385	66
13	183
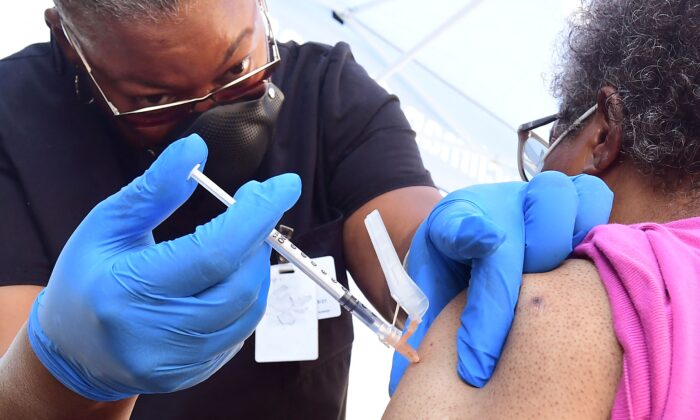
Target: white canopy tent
467	71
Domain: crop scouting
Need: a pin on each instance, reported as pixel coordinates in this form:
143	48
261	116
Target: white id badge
327	306
288	330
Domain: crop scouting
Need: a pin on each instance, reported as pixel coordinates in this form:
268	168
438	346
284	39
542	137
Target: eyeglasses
533	149
248	86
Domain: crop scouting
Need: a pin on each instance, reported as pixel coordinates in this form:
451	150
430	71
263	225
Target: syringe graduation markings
386	332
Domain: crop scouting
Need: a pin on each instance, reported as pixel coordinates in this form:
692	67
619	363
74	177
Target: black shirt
345	136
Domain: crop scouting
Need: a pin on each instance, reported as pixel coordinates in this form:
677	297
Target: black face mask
238	136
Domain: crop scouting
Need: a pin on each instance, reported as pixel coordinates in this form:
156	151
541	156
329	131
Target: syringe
387	333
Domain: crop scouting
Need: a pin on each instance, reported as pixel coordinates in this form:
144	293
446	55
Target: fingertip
593	189
490	238
290	177
548	190
468	377
288	180
590	180
162	188
594	205
462	231
188	151
550	179
195	142
286	188
483	332
473	366
174	166
550	207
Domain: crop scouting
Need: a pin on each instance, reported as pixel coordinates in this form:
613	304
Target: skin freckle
537	302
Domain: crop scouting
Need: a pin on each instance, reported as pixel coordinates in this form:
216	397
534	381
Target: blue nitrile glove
492	234
122	315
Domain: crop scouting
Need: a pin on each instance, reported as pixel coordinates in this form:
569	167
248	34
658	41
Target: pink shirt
652	276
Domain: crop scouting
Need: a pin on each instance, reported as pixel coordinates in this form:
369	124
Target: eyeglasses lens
251	88
533	155
535	148
248	89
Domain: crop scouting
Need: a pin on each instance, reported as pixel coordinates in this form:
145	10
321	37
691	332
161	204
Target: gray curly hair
93	12
650	51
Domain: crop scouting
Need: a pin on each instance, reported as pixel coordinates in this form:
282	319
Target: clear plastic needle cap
403	289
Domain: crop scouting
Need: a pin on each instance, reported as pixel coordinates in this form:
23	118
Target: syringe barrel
308	266
386	332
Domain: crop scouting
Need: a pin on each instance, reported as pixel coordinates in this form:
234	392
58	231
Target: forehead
195	38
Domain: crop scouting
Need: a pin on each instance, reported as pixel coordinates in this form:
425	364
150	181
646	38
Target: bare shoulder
561	359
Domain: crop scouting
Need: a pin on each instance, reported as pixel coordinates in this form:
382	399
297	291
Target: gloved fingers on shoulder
222	304
595	201
483	330
438	277
488	313
474	366
550	207
149	199
461	231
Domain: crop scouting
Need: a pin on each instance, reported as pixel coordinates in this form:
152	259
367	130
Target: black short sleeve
23	260
344	135
369	143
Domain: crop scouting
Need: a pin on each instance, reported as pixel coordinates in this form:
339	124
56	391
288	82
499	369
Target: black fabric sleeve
370	144
23	259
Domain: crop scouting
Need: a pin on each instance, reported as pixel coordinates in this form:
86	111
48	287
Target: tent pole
408	55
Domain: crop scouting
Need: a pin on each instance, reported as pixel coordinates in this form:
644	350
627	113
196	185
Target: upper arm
23	257
15	303
24	265
402	211
561	358
368	143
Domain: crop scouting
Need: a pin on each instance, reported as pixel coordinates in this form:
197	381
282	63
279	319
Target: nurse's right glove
122	315
485	237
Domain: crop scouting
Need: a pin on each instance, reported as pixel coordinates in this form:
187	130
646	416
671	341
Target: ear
608	138
53	21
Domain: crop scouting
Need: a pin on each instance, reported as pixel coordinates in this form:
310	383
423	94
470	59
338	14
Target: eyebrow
227	56
236	43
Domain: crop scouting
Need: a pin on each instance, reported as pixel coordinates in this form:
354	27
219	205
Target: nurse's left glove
485	237
122	315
